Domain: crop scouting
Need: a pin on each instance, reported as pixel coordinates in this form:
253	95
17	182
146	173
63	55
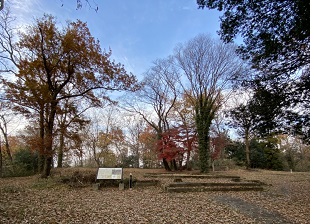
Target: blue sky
137	31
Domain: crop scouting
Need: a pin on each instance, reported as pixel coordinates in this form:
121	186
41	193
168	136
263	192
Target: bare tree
7	117
70	119
157	97
209	67
104	136
9	53
97	135
135	127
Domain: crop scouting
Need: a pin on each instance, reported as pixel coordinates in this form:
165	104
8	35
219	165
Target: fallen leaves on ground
33	200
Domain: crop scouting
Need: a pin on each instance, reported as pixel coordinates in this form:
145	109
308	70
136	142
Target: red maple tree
176	144
218	143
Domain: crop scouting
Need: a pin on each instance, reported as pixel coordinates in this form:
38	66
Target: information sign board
110	174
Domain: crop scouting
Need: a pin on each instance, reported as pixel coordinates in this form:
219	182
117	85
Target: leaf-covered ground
286	199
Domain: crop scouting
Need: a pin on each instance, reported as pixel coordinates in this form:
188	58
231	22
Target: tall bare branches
209	67
158	95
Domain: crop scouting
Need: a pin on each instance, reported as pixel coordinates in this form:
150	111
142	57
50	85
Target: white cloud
25	12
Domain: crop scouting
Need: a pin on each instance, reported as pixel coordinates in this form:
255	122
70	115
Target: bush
25	163
78	178
264	154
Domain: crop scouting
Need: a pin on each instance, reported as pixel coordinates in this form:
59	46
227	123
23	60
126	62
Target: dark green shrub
264	154
25	162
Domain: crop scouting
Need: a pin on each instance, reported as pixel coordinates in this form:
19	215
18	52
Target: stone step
200	187
146	183
213	188
189	184
197	176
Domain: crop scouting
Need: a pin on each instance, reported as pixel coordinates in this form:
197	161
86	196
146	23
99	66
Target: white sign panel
109	173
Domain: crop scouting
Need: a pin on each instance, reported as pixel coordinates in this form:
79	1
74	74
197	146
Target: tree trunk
188	163
247	150
1	171
47	167
49	141
174	164
180	165
60	157
61	147
166	165
203	144
48	155
164	161
6	141
204	115
7	147
81	158
96	158
213	165
41	149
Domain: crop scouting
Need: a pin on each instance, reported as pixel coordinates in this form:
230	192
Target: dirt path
255	212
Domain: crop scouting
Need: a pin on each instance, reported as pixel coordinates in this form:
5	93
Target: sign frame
110	174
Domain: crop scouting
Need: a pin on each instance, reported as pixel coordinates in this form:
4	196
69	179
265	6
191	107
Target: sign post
130	182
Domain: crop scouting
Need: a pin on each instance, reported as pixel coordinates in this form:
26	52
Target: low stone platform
205	182
198	176
200	187
146	183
